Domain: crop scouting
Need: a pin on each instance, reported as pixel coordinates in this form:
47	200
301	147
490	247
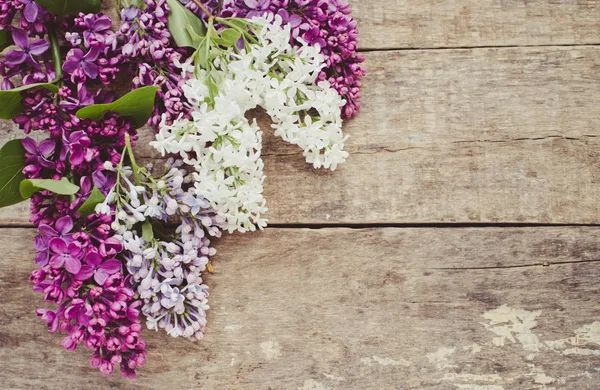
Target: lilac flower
31	10
97	27
80	65
258	7
97	268
61	229
313	37
28	48
65	255
39	154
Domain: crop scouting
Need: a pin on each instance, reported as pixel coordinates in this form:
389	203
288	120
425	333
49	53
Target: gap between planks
474	47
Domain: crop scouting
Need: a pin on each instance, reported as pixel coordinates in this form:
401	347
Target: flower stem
134	166
204	9
55	53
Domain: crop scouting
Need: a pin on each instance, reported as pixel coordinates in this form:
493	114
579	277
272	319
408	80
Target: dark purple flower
39	154
97	268
79	64
31	10
313	37
67	255
61	229
28	48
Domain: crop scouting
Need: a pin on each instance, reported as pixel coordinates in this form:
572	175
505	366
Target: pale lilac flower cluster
327	24
166	268
224	147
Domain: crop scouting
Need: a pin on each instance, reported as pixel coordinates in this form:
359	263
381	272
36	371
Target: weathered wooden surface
386	24
484	135
479	135
354	309
401	24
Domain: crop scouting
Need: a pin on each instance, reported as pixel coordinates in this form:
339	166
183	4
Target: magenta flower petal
64	225
100	277
93	259
58	245
20	38
31	12
110	267
47	147
91	70
101	24
72	265
251	3
14	58
38	47
85	272
47	230
57	261
29	145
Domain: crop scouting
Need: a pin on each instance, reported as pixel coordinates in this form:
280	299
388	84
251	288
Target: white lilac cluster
166	268
224	147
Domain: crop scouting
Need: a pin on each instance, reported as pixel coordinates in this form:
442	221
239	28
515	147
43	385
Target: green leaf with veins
12	101
137	106
12	162
61	187
63	8
181	21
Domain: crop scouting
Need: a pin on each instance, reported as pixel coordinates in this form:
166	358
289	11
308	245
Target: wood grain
402	24
385	24
479	135
353	309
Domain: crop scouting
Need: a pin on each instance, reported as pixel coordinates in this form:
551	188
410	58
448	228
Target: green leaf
12	162
5	39
147	232
89	207
12	101
229	37
181	21
138	3
60	187
63	8
137	106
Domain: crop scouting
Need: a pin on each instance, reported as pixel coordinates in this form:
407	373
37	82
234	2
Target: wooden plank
480	135
354	309
385	24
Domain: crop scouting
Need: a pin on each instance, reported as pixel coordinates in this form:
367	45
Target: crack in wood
544	264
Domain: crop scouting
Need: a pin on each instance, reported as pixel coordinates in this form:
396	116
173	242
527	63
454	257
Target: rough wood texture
354	309
386	24
479	135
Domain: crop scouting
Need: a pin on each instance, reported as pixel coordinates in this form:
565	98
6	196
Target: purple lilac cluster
154	57
77	257
30	58
324	22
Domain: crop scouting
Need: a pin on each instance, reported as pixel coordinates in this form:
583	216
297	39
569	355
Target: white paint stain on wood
271	349
544	379
513	325
475	348
232	328
374	360
584	336
312	384
334	377
440	359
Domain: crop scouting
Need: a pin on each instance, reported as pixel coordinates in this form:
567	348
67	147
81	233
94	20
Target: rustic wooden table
457	248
